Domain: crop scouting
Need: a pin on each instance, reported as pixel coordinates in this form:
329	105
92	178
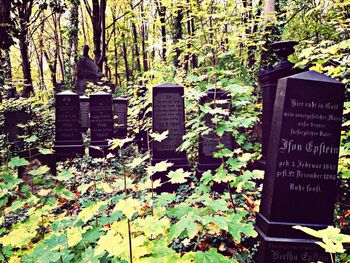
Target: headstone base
67	151
283	229
286	250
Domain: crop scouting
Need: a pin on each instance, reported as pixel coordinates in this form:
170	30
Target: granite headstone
300	178
120	112
68	141
168	114
101	123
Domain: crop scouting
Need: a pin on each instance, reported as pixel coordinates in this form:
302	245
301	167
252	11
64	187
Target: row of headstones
302	116
74	114
106	118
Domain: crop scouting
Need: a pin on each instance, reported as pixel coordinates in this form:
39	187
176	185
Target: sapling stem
3	255
150	163
126	194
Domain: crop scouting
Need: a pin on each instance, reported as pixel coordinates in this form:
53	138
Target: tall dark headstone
268	79
168	115
12	119
120	111
84	113
68	141
300	177
101	122
208	143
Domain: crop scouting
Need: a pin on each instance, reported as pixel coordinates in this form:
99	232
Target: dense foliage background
97	210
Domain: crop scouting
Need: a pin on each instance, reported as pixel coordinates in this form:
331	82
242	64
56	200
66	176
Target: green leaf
159	167
137	161
211	256
32	138
40	171
65	175
185	223
179	176
45	151
237	227
165	198
17	161
84	187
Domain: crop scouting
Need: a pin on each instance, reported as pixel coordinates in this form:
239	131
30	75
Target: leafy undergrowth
95	210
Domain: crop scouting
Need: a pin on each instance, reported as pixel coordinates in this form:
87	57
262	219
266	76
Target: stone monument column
268	79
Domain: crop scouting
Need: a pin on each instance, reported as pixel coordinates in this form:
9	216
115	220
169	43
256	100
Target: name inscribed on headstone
168	115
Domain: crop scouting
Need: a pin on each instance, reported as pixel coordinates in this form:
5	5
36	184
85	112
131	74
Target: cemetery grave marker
208	143
268	79
168	115
68	141
300	178
84	113
120	111
101	123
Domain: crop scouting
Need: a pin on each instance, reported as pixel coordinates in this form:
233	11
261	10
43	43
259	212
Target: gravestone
12	119
84	113
144	113
101	123
208	143
268	79
300	177
68	141
168	115
120	111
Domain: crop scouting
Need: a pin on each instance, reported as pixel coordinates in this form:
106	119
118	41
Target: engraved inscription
168	115
307	150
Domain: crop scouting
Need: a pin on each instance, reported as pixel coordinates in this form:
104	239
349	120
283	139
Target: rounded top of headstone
67	92
168	85
101	93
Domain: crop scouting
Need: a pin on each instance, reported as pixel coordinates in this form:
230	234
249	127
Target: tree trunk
178	34
125	54
270	10
144	37
136	47
115	53
162	12
27	74
193	32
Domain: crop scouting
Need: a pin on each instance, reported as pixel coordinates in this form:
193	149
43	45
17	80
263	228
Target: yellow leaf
128	207
74	236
